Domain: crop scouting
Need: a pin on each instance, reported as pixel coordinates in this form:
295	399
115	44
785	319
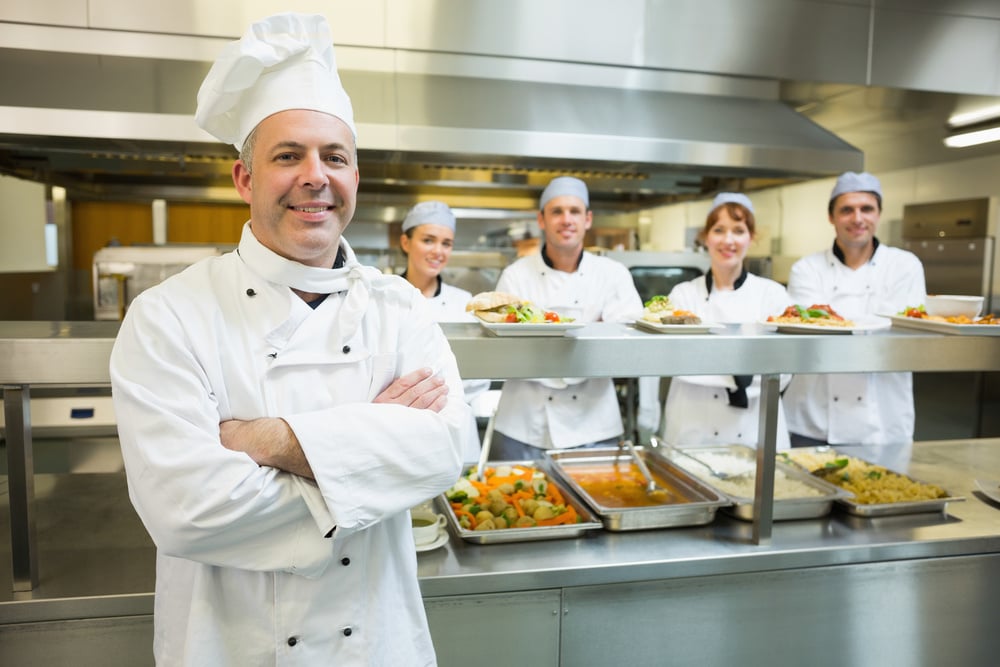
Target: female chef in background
717	410
427	241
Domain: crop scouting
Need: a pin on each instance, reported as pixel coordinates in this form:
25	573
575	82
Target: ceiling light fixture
973	137
974	116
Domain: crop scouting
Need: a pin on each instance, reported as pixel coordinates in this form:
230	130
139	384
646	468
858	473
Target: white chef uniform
448	305
697	410
874	409
556	413
256	566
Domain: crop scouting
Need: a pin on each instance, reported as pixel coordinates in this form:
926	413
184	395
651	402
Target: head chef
277	97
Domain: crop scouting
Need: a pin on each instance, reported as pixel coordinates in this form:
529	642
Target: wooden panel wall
95	224
206	223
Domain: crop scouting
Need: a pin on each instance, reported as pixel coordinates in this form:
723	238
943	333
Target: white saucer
439	541
990	489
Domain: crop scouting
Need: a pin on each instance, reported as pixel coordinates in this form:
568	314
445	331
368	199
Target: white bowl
952	305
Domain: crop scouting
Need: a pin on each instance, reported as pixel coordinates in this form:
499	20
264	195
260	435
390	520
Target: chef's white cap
732	198
564	185
285	61
850	181
430	212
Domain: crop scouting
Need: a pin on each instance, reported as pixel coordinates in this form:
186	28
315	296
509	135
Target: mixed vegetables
509	497
527	312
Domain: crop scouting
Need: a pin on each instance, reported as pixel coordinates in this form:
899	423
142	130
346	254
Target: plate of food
660	316
504	314
917	318
822	319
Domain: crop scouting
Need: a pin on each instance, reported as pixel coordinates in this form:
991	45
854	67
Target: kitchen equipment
696	503
120	273
529	534
956	243
797	495
656	442
804	456
652	490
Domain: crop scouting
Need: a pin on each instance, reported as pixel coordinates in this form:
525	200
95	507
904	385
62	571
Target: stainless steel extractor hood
458	136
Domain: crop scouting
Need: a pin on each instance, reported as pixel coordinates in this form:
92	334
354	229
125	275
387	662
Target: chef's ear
241	179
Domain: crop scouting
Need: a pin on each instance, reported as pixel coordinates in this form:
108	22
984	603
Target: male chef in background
869	413
558	413
280	407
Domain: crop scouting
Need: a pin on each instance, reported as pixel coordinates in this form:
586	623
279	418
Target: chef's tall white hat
564	185
732	198
285	61
850	181
430	212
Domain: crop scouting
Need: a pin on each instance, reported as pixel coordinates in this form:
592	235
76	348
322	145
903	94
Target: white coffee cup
426	526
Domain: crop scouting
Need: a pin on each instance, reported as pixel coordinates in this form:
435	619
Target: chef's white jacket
448	305
556	413
697	410
855	409
256	566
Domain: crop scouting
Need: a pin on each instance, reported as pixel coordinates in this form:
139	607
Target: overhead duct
69	124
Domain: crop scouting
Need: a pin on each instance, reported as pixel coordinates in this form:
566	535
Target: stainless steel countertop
77	352
725	546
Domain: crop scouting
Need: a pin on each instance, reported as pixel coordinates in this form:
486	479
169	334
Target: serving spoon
653	490
718	474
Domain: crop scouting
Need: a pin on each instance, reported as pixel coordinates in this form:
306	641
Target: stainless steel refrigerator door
955	266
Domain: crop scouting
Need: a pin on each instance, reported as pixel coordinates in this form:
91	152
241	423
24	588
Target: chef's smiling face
854	217
565	221
727	240
302	184
427	249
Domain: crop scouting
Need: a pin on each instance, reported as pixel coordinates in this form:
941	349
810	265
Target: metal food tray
851	506
784	509
701	510
532	534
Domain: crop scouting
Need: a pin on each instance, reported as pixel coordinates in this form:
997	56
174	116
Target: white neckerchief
350	278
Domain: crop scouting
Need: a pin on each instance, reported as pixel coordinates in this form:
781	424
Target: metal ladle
653	490
718	474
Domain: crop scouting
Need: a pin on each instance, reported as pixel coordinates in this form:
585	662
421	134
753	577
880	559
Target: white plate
704	327
530	328
989	487
860	327
438	542
945	327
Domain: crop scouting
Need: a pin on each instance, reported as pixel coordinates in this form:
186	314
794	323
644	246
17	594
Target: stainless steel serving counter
907	590
76	353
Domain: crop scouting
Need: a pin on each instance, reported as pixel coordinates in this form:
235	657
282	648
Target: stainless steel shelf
66	353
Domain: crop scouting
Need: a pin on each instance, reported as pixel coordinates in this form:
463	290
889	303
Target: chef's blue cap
430	212
853	182
732	198
564	185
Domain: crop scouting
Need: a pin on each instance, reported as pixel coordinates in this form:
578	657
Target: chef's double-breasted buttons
345	561
292	641
346	349
348	632
251	292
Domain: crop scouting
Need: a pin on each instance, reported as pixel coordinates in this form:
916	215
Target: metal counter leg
21	481
767	439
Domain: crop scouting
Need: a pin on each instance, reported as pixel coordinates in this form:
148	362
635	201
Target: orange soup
621	484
